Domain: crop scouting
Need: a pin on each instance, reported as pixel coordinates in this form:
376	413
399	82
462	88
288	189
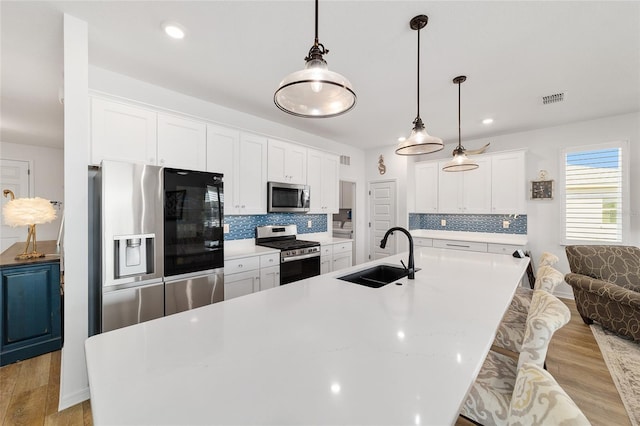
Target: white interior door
14	175
382	211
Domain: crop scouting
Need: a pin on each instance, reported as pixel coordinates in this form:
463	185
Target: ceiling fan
472	151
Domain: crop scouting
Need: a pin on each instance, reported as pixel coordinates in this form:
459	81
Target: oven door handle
304	256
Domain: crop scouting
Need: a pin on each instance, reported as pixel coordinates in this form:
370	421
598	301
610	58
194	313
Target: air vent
345	159
552	99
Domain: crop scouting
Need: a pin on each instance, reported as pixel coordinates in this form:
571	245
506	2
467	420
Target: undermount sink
376	276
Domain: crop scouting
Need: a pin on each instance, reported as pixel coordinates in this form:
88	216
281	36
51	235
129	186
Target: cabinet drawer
503	248
268	260
423	242
460	245
326	250
240	265
341	247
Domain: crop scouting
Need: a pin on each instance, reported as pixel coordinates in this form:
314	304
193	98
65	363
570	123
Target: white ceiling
236	52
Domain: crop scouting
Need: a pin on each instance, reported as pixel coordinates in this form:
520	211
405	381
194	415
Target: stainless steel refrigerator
156	245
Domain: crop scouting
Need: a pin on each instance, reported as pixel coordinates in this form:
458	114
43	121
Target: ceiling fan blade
477	151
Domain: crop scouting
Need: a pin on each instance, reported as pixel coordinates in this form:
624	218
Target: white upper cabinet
508	186
426	187
242	158
287	162
182	143
465	192
322	178
122	132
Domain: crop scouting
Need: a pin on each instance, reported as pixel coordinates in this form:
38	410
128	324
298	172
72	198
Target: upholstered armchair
606	286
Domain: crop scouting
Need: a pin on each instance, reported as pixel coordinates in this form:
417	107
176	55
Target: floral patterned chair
538	399
522	298
510	333
488	399
606	286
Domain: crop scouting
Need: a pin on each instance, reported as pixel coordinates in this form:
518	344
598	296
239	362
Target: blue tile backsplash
469	222
242	227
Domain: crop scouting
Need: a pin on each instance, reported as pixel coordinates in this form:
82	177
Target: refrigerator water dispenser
134	255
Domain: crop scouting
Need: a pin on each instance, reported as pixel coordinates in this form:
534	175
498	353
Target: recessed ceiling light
173	30
487	121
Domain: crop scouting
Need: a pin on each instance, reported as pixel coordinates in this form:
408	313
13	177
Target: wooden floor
29	389
576	363
29	392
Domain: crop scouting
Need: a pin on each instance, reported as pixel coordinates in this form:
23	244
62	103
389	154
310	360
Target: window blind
593	195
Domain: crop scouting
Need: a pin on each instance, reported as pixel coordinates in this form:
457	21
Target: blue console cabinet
30	305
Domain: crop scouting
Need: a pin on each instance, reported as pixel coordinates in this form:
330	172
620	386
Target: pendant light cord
418	77
316	40
459	131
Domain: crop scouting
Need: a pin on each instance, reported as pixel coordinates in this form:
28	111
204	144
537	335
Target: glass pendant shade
315	92
460	163
419	142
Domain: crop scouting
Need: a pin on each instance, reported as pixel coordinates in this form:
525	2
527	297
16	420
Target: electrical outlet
225	228
309	224
443	222
505	224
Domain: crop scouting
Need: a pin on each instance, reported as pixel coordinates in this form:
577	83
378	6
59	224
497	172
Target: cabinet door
314	180
426	187
330	182
508	183
222	151
236	285
269	277
476	188
30	322
122	132
182	143
287	162
450	190
341	261
251	189
325	264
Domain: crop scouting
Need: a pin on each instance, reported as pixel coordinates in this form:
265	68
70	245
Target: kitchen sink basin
376	276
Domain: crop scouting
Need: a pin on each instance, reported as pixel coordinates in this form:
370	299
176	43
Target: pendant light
419	142
460	161
315	92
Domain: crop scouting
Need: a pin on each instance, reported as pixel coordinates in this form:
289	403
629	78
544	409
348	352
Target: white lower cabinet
326	258
241	284
336	256
247	275
342	256
422	242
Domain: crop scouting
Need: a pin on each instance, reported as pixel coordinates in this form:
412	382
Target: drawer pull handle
457	245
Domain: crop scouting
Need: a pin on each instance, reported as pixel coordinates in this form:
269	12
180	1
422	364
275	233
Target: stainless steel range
299	259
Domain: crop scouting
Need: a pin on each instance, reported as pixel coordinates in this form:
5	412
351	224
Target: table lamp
27	212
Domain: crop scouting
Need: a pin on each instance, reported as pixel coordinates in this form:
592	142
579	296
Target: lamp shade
28	211
315	92
419	142
460	163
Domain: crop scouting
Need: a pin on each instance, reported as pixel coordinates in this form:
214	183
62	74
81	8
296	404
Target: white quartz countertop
483	237
318	351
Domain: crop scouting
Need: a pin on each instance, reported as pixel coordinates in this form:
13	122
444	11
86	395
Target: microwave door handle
302	197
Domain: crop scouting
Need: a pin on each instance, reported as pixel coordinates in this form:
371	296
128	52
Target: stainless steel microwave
287	198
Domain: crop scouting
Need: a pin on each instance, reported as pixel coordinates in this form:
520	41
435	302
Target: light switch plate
443	222
225	228
309	224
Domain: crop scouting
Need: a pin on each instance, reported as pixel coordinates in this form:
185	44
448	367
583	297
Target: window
595	188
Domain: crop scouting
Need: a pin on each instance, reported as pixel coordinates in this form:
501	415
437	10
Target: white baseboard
67	401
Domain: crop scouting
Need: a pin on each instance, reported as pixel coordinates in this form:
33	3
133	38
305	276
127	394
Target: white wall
544	150
46	177
396	169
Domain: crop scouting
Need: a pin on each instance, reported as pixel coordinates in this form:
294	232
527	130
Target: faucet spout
383	244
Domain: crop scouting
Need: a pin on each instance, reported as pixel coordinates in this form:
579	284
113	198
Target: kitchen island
318	351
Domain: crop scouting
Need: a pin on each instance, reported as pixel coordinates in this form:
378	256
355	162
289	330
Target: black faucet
383	244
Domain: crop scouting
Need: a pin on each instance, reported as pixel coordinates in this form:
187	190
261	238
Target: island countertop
318	351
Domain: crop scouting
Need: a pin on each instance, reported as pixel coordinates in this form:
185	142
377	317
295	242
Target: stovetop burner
288	244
